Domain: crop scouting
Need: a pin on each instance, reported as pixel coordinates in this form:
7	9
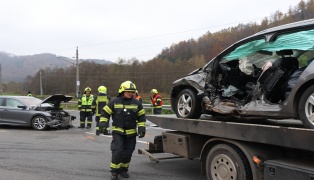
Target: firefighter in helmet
85	106
100	101
29	94
137	96
127	115
156	101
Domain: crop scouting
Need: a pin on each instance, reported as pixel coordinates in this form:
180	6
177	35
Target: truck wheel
187	105
39	123
306	108
227	162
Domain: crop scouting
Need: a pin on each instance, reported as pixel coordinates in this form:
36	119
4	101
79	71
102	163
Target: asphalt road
26	154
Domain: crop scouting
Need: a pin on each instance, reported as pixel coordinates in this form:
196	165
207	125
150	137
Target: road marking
144	142
92	138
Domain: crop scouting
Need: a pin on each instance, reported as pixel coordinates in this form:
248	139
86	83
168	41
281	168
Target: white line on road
144	142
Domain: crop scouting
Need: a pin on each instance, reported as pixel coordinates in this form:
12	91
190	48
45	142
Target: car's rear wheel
188	105
306	108
39	123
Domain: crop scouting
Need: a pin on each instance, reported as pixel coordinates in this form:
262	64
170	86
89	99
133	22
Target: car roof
295	25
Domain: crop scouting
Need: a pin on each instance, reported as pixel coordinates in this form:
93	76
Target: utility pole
77	75
41	83
0	80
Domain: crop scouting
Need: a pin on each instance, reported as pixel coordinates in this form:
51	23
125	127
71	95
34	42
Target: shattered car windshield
259	51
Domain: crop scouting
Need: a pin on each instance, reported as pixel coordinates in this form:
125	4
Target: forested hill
17	68
172	62
210	44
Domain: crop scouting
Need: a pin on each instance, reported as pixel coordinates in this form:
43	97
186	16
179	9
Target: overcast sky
112	29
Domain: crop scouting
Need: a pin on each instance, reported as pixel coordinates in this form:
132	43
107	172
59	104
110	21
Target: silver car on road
35	113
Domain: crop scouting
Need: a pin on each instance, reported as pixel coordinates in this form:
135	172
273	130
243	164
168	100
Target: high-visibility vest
85	103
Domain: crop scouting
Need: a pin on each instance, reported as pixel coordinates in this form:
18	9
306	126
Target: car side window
13	103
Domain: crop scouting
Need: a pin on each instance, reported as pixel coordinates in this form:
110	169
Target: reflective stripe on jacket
100	102
127	114
85	103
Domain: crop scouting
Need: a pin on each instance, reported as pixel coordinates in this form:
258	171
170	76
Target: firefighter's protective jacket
85	103
99	102
156	101
127	114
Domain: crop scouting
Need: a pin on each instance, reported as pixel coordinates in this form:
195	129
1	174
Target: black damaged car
35	113
267	75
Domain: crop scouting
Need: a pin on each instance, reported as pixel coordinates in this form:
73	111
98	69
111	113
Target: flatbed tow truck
237	149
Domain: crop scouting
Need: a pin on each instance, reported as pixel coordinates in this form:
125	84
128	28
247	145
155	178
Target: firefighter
100	101
138	97
156	101
85	106
127	115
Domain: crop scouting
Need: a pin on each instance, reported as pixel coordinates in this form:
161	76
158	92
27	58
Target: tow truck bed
285	133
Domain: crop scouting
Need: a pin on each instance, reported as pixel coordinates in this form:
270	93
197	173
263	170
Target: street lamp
77	75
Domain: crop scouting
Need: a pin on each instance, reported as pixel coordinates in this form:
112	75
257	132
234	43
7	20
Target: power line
59	57
167	34
147	37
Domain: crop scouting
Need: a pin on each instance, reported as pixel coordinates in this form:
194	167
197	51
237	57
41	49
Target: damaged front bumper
64	123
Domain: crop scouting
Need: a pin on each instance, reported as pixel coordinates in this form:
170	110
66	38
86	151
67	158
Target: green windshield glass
303	40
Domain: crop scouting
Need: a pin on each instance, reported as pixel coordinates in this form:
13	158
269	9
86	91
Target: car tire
225	161
187	105
39	123
306	108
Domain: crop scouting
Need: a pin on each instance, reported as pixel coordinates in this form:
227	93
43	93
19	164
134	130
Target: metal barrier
145	106
149	106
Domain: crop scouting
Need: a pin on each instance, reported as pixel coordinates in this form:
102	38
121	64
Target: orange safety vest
157	101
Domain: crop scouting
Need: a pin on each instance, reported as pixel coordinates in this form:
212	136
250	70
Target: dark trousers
97	118
122	148
83	116
157	110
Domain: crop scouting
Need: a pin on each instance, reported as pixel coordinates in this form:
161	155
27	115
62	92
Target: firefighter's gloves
141	132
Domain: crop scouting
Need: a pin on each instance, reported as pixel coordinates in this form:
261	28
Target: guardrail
145	106
148	106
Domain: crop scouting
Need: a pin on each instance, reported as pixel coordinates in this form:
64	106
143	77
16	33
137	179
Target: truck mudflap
155	151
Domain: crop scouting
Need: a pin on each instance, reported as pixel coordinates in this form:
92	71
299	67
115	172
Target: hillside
17	68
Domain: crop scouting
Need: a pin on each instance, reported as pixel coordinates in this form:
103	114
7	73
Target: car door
14	115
